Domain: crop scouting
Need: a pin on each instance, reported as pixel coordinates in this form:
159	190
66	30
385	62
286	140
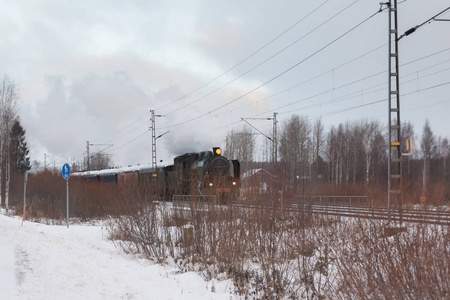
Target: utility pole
152	119
154	137
153	128
88	158
274	136
394	157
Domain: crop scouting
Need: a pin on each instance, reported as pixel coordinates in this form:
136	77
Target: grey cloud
166	49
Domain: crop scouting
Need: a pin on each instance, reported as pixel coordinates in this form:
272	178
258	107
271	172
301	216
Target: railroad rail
337	200
397	215
341	207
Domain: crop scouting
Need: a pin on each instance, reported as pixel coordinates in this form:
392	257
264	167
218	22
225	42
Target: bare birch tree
428	148
372	131
445	151
294	145
240	144
318	139
332	153
8	97
99	161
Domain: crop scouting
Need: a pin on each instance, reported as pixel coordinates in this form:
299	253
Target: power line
120	130
264	61
254	53
426	106
269	138
127	133
214	79
378	101
348	96
335	88
130	141
412	30
311	79
242	61
357	94
360	105
277	76
281	107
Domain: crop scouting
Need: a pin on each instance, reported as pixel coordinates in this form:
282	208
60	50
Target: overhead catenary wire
221	75
265	60
122	129
359	80
128	133
131	132
377	101
314	10
129	142
384	100
277	76
355	95
79	149
243	60
413	29
269	138
339	87
308	80
316	95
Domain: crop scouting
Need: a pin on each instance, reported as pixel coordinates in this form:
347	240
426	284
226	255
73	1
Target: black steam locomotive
203	175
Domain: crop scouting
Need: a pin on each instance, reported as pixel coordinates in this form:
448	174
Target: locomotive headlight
234	182
210	184
217	151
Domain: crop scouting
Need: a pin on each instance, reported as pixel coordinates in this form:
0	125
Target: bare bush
137	225
413	265
46	197
273	252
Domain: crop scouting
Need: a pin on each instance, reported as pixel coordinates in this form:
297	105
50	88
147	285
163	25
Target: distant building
257	180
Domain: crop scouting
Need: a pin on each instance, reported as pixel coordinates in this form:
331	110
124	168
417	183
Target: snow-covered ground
39	261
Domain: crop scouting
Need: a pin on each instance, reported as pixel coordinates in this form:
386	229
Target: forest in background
351	158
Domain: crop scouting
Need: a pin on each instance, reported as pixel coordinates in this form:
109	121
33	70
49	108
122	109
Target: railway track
396	215
405	215
358	209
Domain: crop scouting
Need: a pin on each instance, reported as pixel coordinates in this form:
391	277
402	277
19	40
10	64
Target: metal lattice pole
153	139
88	158
394	157
274	136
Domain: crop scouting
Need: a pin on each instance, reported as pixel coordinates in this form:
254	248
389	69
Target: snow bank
54	262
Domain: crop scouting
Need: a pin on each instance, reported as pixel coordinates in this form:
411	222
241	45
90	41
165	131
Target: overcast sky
93	70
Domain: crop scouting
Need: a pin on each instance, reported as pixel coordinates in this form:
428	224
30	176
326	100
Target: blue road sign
66	171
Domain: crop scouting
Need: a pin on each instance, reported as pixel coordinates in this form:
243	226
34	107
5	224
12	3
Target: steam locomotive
205	175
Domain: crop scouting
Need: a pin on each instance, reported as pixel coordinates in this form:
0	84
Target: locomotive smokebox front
219	166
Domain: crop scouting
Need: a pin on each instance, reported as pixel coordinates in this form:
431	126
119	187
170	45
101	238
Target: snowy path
7	269
53	262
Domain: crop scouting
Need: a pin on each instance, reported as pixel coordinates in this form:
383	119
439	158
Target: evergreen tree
20	162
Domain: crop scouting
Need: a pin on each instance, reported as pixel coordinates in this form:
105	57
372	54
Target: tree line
350	156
